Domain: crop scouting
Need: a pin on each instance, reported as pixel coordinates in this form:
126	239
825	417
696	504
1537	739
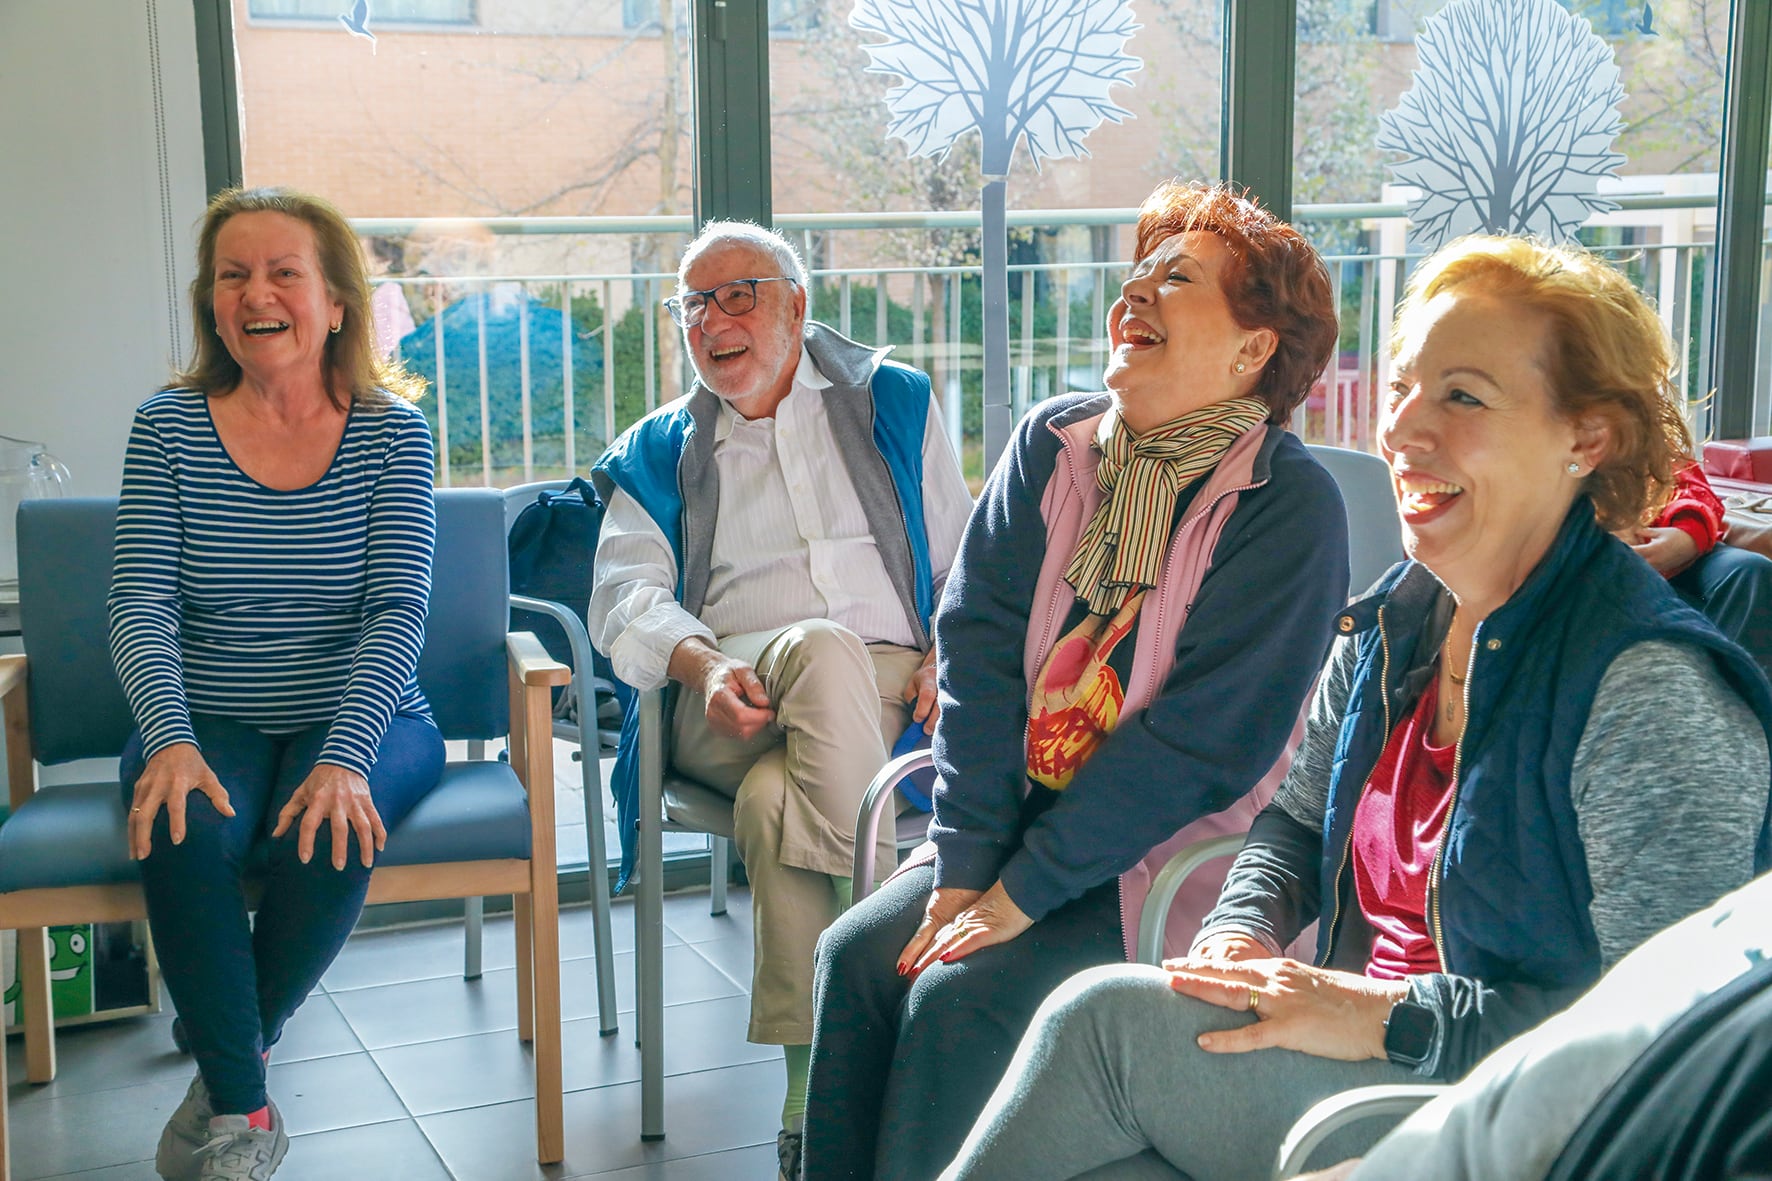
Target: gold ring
1254	1000
137	808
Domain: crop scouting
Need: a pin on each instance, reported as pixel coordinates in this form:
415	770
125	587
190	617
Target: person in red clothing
1684	542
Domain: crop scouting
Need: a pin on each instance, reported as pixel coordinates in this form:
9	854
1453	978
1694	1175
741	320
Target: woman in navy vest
1525	756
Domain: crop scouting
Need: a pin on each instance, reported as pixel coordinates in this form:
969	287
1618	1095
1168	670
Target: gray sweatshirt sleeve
1669	787
1271	890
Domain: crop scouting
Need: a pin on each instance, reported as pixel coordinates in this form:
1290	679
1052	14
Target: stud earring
1240	366
1574	468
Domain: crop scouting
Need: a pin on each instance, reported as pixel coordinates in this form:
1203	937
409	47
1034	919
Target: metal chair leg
473	923
473	909
719	873
649	923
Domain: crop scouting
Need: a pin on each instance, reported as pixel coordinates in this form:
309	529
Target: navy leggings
234	981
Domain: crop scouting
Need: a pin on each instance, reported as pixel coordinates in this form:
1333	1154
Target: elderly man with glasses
776	543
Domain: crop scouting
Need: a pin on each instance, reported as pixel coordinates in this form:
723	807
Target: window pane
540	339
916	286
455	11
1612	118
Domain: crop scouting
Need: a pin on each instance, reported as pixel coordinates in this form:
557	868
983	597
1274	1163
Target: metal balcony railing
534	371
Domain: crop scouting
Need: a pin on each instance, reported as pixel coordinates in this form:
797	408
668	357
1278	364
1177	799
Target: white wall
101	185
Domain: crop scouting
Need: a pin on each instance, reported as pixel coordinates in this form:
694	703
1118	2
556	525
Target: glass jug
27	472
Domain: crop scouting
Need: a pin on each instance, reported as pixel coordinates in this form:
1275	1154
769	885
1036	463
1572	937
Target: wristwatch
1410	1033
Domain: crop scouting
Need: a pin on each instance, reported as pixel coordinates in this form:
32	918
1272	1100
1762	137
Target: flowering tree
1030	72
1510	121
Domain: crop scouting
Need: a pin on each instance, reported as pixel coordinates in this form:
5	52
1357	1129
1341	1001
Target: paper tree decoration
1509	124
1033	72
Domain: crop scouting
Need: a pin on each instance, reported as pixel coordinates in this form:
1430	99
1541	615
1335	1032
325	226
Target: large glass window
894	237
1416	120
521	180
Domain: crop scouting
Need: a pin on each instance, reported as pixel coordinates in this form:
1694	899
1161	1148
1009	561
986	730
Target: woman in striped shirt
267	607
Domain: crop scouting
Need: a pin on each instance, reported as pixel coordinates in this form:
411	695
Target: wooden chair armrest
533	672
21	770
12	674
530	662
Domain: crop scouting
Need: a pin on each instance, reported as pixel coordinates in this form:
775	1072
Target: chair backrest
78	710
462	669
1375	537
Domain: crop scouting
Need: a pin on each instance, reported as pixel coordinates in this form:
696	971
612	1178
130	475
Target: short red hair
1275	279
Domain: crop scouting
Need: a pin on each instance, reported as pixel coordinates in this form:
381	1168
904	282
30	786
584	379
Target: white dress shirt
791	541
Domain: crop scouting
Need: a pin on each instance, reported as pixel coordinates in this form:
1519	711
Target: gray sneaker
237	1151
185	1135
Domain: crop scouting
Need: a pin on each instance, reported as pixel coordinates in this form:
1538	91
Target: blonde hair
1609	357
353	366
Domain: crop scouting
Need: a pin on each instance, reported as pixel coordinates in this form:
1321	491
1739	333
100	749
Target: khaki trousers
797	786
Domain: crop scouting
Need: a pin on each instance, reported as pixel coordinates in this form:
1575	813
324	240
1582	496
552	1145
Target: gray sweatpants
1108	1083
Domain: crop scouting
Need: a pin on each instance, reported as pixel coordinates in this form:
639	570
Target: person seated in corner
1662	1070
1486	811
1684	542
775	543
267	609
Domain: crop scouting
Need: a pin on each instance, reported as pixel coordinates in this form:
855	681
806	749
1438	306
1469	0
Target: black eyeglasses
734	298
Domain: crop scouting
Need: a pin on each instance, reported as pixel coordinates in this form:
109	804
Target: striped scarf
1141	478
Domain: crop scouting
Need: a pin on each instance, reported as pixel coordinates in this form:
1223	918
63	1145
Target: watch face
1409	1034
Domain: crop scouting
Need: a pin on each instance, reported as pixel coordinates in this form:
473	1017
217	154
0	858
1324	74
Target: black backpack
552	544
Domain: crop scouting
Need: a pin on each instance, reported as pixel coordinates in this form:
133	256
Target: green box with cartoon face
70	973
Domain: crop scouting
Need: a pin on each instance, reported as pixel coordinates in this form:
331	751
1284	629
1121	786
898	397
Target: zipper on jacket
1347	847
1437	870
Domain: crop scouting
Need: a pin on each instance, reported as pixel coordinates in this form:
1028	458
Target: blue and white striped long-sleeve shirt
279	609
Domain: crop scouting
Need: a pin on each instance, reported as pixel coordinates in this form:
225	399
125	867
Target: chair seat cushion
477	812
72	834
76	835
689	805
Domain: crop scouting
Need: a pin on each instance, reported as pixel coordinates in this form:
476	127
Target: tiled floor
397	1069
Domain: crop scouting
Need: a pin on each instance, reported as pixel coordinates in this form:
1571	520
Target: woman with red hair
1142	599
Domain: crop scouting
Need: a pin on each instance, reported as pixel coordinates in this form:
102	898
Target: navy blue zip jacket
1508	898
1254	639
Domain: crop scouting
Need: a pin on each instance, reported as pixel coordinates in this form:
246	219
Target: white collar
806	376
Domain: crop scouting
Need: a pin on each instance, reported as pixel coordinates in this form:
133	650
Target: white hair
717	233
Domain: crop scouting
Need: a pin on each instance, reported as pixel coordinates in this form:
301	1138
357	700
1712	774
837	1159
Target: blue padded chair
63	853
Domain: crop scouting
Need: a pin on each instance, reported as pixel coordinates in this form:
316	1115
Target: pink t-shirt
1398	824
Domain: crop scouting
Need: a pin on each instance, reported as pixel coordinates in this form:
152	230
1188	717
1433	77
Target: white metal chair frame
668	803
516	499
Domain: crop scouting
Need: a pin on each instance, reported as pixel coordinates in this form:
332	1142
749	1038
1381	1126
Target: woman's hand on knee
945	902
173	773
992	917
1313	1010
342	796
